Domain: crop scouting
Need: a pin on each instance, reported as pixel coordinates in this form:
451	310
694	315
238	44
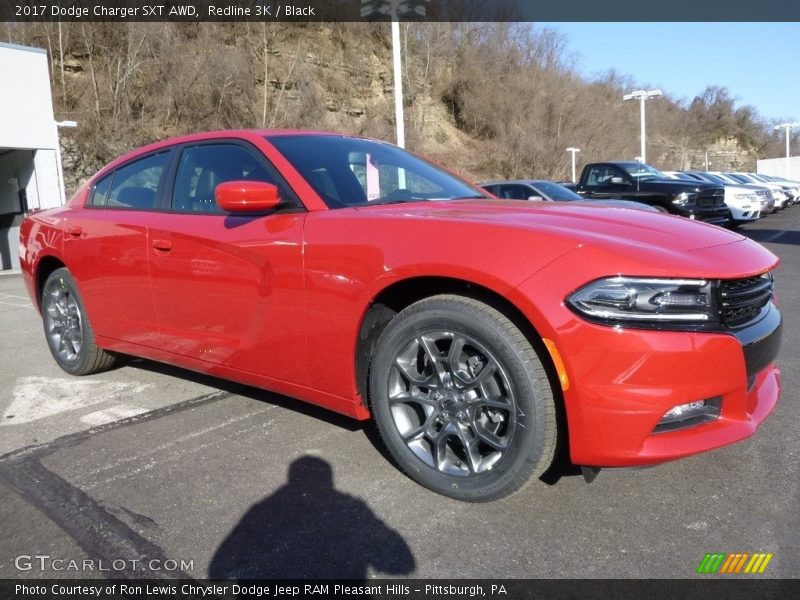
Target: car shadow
772	236
561	467
246	391
308	529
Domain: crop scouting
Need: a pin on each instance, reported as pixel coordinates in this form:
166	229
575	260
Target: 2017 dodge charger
481	335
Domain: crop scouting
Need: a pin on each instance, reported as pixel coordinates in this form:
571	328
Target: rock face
139	85
77	164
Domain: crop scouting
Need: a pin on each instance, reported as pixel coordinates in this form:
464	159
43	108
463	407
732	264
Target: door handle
163	245
75	231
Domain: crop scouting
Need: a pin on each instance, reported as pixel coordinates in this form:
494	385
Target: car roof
245	134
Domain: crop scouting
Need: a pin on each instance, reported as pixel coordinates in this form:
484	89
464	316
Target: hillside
491	100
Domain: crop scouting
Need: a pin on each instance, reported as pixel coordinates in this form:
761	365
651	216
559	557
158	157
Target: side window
202	168
598	175
135	185
514	192
100	191
520	192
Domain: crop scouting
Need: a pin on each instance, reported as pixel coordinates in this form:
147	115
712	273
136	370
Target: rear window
134	185
100	191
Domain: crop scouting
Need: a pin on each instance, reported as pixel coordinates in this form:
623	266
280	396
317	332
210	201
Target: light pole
788	128
573	151
398	85
642	96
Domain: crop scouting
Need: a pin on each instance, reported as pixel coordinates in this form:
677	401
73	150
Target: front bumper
623	381
716	216
746	212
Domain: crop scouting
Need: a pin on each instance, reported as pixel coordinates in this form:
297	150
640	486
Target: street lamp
398	85
642	96
574	151
788	128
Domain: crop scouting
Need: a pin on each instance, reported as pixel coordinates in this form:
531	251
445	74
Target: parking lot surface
149	461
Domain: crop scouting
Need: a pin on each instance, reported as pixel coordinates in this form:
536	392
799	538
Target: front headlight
646	302
683	199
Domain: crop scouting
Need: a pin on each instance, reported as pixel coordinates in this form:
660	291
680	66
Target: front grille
711	197
741	300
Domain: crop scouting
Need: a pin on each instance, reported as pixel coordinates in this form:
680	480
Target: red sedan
481	335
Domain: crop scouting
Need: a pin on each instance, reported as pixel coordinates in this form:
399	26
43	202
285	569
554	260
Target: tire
482	422
67	329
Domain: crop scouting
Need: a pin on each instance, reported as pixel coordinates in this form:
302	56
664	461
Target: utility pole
788	128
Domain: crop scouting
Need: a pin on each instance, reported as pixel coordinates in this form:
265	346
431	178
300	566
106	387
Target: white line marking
168	445
35	398
172	457
15	305
109	415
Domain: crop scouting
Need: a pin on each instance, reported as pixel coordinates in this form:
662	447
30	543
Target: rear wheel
67	329
462	400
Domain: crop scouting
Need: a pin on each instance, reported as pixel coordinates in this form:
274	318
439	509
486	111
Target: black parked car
643	183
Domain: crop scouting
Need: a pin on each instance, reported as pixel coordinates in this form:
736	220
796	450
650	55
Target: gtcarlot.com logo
45	562
735	563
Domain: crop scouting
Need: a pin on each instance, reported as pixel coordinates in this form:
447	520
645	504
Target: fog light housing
690	414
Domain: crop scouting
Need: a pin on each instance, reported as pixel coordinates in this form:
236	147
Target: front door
228	289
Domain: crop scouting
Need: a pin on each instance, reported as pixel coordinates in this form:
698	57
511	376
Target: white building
781	167
30	159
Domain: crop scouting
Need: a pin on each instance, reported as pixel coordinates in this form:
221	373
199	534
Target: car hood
678	184
578	222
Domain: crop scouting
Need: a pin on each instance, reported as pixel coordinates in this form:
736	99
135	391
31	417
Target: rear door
228	289
106	249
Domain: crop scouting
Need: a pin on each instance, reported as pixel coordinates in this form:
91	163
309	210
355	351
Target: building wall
777	166
30	165
26	105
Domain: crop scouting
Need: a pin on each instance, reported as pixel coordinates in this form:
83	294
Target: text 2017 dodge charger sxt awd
360	277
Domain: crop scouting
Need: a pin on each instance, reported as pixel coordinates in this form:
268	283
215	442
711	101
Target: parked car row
726	199
745	191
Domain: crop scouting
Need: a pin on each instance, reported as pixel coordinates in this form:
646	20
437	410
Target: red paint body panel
277	301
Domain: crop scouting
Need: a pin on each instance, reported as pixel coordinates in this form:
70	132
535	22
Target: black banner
403	10
410	589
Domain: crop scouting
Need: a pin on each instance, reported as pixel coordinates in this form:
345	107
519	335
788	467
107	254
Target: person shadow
309	530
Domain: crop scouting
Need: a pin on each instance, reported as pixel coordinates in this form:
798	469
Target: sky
757	62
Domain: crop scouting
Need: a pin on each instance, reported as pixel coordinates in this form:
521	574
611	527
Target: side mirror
535	198
617	181
247	196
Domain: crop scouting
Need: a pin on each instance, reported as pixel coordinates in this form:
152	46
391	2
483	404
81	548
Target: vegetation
491	99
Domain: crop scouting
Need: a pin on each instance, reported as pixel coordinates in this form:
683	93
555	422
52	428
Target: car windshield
349	171
710	177
739	178
555	191
726	178
642	171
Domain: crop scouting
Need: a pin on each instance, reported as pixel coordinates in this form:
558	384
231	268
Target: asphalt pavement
154	471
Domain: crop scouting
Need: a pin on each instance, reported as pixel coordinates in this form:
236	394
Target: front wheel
66	326
462	400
